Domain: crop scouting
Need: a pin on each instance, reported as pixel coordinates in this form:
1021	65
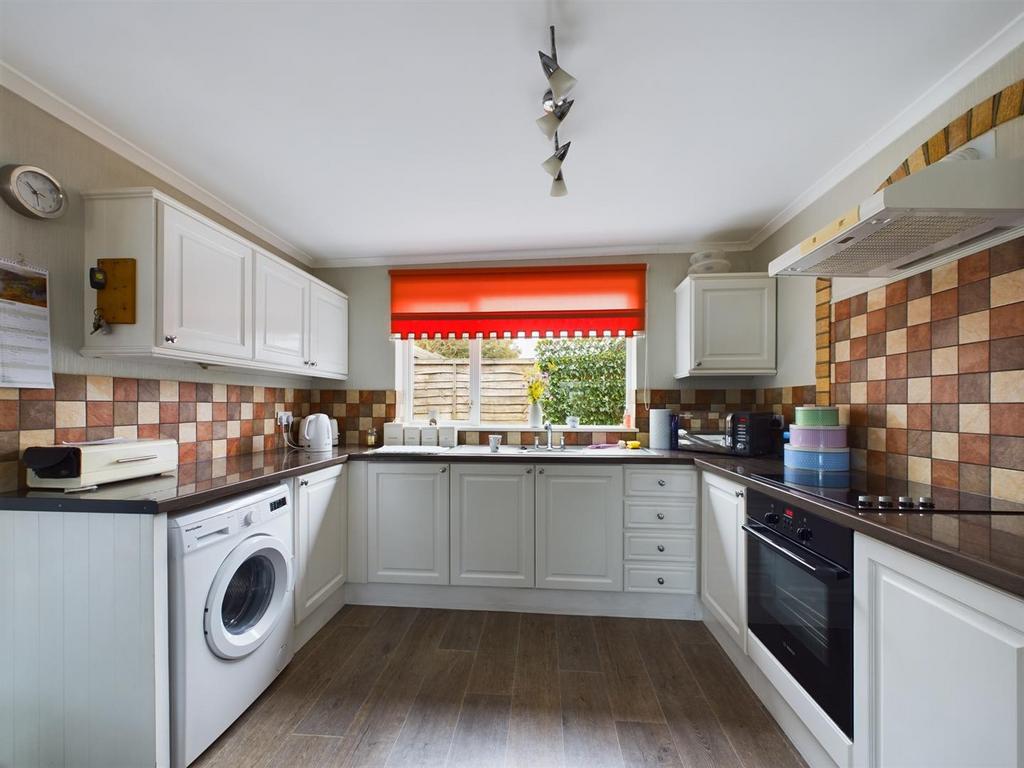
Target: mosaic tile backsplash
929	374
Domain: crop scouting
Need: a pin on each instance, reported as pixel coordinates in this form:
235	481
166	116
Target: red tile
919	416
234	393
36	394
220	411
168	413
99	413
972	268
859	348
876	462
896	441
945	474
974	449
919	337
126	389
149	431
896	293
919	285
1005	321
1007	419
234	446
842	309
8	415
842	372
876	321
896	366
204	430
973	358
1007	257
876	391
858	415
186	391
858	304
944	304
945	389
69	434
186	453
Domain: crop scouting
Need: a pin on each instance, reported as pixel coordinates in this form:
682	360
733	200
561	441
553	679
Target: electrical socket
284	418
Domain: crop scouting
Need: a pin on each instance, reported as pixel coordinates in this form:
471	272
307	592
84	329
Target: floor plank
647	744
535	722
482	732
588	729
375	730
309	751
630	692
464	631
336	707
689	632
362	615
577	645
749	727
698	736
495	666
426	737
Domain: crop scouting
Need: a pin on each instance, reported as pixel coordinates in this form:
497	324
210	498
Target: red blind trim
570	300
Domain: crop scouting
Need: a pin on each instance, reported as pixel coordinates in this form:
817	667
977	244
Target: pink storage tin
817	437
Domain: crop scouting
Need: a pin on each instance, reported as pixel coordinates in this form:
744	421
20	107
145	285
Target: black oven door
800	606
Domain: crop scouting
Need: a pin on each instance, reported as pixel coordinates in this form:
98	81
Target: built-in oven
800	599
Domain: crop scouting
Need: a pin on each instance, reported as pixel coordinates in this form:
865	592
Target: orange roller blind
570	300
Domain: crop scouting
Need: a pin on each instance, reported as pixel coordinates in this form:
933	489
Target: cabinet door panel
734	324
328	340
492	526
207	288
723	555
579	527
282	313
408	523
321	542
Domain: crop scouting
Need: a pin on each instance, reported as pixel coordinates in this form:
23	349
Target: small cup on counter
495	442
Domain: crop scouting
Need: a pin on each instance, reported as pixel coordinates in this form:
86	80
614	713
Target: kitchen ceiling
405	130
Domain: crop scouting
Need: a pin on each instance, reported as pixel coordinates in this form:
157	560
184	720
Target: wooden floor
422	687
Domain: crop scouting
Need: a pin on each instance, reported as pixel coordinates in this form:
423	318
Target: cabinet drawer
660	546
661	578
660	514
654	481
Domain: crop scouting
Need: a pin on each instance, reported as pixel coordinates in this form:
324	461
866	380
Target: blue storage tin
825	459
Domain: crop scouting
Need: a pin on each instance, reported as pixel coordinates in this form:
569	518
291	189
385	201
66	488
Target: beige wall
28	135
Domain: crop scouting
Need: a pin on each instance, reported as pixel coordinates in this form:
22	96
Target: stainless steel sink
543	453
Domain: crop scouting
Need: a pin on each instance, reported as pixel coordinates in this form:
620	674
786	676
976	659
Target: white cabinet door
492	512
321	538
282	313
579	527
206	279
407	534
938	665
723	554
725	324
328	340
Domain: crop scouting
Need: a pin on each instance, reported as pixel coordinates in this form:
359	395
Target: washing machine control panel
223	526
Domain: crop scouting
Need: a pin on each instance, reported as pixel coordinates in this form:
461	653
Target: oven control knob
865	501
905	502
885	502
804	534
925	502
772	518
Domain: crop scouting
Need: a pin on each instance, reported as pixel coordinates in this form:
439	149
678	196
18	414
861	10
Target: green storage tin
817	416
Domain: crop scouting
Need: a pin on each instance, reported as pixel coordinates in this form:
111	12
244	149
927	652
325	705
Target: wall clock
32	192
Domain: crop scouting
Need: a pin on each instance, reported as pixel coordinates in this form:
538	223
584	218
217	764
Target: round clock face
33	192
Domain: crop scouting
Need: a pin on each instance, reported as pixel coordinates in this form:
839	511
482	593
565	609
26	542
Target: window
484	381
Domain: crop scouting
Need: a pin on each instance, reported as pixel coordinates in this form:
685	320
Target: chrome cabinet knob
661	580
739	494
661	483
171	339
661	547
314	363
540	471
443	470
305	362
661	515
303	482
529	471
698	364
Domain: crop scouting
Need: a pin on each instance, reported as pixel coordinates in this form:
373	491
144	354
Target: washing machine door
247	597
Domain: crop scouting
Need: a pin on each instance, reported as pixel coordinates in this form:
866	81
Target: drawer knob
661	547
661	515
739	494
529	471
303	482
661	483
661	580
171	339
540	471
443	470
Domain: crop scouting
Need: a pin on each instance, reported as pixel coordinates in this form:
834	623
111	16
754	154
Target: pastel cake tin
817	437
825	459
817	416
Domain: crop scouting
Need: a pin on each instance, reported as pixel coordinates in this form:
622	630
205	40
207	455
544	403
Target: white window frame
404	376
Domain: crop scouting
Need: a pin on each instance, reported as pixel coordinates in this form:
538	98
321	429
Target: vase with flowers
536	383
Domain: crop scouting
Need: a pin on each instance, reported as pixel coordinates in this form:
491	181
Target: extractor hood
943	208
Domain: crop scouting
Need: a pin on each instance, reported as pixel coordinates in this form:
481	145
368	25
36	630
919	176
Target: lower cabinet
407	522
579	527
321	537
723	554
492	512
938	665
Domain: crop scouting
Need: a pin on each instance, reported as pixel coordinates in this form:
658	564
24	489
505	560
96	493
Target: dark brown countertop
647	456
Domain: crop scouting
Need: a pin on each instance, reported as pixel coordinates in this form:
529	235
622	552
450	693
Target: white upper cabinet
282	313
207	295
725	324
207	288
328	338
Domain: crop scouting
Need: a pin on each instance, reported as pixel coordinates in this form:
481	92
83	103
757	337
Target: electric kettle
315	432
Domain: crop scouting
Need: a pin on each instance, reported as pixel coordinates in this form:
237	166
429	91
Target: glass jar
371	437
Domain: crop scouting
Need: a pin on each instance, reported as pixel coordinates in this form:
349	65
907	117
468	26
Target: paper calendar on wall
25	359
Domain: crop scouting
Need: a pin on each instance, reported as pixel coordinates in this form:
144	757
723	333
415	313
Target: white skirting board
775	702
627	604
318	619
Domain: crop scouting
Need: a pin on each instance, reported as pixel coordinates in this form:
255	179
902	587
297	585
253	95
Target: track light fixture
556	108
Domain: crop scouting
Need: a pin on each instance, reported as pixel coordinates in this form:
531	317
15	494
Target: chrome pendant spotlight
556	109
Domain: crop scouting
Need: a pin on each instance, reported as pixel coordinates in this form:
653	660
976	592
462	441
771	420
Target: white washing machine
231	607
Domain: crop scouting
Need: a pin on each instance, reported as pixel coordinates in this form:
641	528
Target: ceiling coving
556	109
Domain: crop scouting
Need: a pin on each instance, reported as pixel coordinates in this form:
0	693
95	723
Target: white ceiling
362	130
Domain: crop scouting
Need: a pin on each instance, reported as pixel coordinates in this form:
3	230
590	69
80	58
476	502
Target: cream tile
876	298
843	412
246	410
896	416
919	390
514	438
944	277
858	326
9	393
473	438
919	469
258	443
352	437
842	352
974	418
1008	484
127	432
896	342
70	413
269	426
30	438
187	432
1007	386
858	392
234	428
258	393
220	449
351	395
365	422
168	391
149	413
99	387
946	446
204	411
220	393
876	438
974	327
876	368
944	361
1007	288
390	396
379	410
919	310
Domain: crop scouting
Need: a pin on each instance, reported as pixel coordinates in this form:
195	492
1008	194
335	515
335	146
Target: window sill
554	428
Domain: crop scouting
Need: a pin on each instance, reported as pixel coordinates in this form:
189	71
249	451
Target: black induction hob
878	493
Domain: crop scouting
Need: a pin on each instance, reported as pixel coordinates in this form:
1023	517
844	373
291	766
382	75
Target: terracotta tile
186	453
1008	419
896	366
974	449
876	415
972	268
234	393
37	414
99	433
896	465
9	410
149	390
945	474
186	391
1007	257
1006	354
100	414
944	277
896	293
974	388
68	386
919	337
69	413
858	304
69	434
858	415
1007	320
944	305
946	417
204	430
842	372
169	431
220	411
840	330
945	333
975	417
125	413
973	297
896	441
876	321
126	389
247	394
973	358
919	285
234	411
876	462
149	431
919	364
876	391
169	413
859	348
876	345
973	479
896	316
919	416
37	394
919	443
